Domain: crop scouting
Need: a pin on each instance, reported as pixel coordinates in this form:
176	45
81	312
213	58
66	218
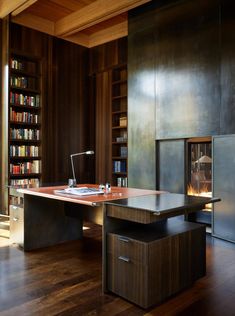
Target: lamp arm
78	154
71	157
89	152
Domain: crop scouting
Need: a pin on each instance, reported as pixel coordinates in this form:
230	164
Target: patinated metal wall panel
227	67
190	47
187	70
224	186
141	106
171	165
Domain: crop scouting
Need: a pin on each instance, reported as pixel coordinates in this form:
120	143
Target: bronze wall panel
187	48
194	50
141	106
224	187
173	54
171	165
187	70
227	67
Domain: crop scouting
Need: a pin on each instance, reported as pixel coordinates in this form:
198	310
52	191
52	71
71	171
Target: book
82	191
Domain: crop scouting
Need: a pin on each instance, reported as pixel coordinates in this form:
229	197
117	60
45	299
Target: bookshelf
24	124
119	126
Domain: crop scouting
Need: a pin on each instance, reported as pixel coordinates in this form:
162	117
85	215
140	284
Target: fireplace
199	179
185	166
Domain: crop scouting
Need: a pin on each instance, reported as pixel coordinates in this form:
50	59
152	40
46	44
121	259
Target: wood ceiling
85	22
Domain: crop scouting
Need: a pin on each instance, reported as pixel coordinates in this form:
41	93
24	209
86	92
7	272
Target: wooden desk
50	218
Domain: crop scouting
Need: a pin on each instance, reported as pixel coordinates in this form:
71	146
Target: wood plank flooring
66	280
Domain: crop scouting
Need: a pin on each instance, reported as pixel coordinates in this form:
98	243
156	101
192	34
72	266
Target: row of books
123	151
19	82
21	99
17	64
119	166
33	182
121	138
122	181
24	151
25	167
24	133
24	117
22	82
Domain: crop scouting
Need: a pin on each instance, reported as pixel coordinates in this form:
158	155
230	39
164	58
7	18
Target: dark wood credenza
149	253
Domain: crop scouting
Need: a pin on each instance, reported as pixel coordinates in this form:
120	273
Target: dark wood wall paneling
32	43
102	59
69	112
66	126
70	121
106	56
103	127
28	41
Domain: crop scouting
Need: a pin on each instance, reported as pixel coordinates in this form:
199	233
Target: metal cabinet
223	218
171	165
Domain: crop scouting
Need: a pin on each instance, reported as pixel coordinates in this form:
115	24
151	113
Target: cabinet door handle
126	259
125	239
15	219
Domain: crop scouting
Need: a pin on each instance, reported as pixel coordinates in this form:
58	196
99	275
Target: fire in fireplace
200	168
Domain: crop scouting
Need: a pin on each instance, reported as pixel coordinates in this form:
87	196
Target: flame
203	192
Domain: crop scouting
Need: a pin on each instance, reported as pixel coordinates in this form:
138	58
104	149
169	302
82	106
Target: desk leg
46	224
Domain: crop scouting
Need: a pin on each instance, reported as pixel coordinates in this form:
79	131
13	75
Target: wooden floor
66	280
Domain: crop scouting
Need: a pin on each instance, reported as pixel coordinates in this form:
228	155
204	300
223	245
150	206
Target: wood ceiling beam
96	12
109	34
23	7
7	6
34	22
80	39
100	37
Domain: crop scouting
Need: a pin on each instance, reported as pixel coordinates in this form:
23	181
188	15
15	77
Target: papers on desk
82	191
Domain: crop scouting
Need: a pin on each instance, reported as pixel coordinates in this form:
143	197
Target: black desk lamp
73	182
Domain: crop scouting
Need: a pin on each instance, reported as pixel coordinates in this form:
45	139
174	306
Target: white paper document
82	191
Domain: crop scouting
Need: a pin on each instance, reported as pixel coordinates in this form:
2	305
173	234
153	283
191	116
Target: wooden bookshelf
119	126
25	152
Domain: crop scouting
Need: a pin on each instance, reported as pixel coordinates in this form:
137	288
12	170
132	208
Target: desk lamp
73	182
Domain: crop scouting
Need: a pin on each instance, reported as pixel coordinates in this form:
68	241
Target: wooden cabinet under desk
148	263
